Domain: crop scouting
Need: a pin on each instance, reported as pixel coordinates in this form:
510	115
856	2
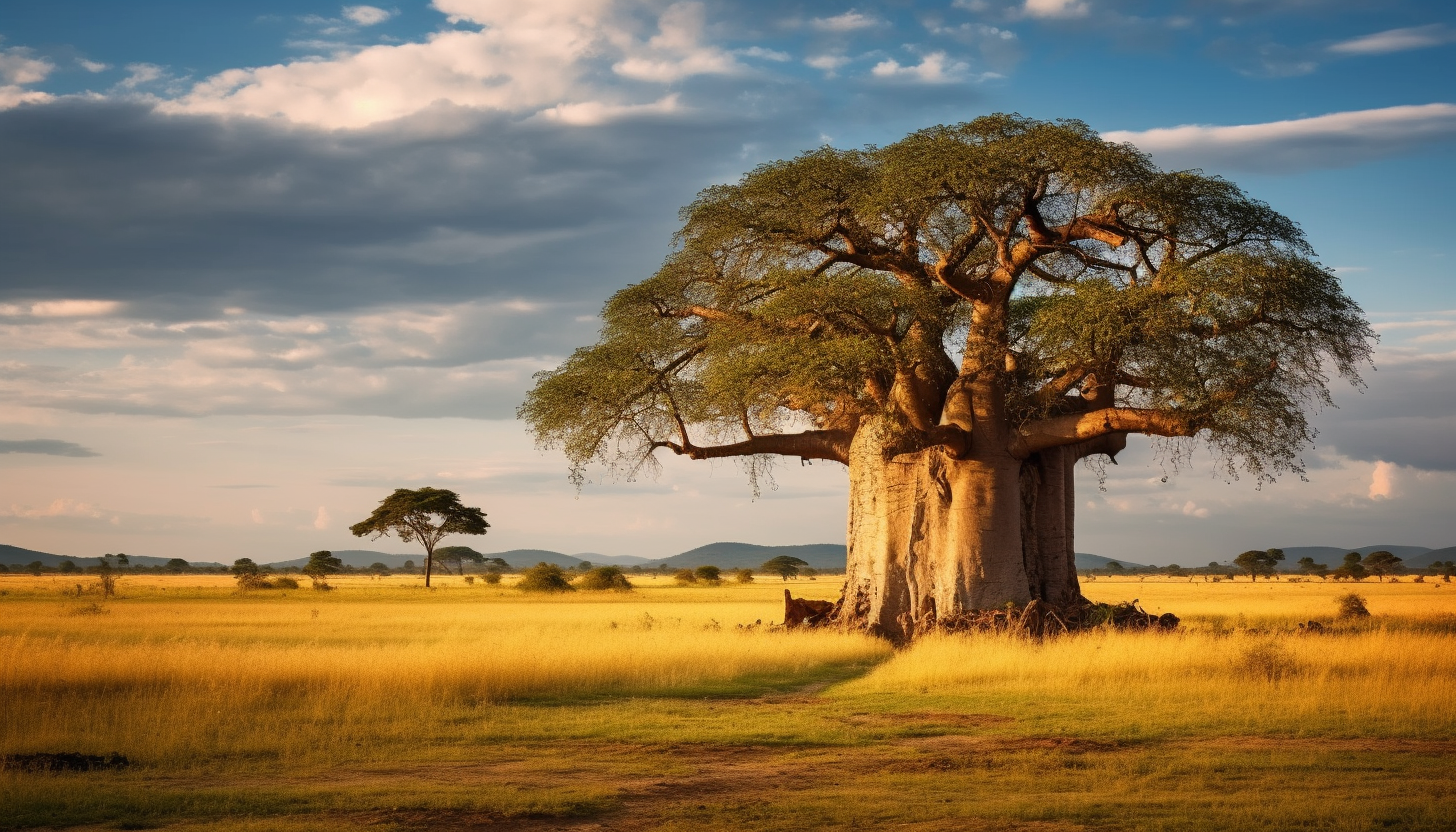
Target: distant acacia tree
959	317
423	514
785	566
1381	563
711	574
1257	562
248	574
1307	566
177	566
458	555
321	565
106	577
1352	569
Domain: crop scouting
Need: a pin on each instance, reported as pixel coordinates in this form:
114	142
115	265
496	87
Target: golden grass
383	704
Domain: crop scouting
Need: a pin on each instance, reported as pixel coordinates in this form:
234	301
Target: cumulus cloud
523	58
48	447
1330	140
829	64
934	68
849	21
1382	481
19	68
1056	8
1396	40
367	15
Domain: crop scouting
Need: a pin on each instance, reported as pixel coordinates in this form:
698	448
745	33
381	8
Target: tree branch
1080	427
812	444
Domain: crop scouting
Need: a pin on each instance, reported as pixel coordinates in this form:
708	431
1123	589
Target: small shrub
470	580
544	577
685	577
284	582
605	578
492	578
709	574
1268	660
743	576
1352	606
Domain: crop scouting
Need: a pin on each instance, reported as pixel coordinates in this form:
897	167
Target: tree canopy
785	566
423	514
1095	292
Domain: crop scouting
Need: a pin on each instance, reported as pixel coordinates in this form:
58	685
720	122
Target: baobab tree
958	318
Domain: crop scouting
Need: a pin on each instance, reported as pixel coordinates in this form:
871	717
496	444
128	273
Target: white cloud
1056	8
847	22
1382	481
74	308
141	74
367	15
19	68
934	68
677	51
765	54
525	58
93	66
1396	40
321	519
830	64
592	113
1334	139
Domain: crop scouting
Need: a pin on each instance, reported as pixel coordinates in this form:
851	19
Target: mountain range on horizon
727	555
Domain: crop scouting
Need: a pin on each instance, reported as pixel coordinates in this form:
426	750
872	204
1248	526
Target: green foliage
1381	563
1258	563
837	286
685	577
743	576
1352	569
177	566
711	574
544	577
378	568
320	565
1307	566
604	578
785	566
67	567
248	575
458	555
423	514
492	578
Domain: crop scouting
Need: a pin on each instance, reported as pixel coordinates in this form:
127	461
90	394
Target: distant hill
16	556
749	556
1332	556
619	560
1427	557
1086	561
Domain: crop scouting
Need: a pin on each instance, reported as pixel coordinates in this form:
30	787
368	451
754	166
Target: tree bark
929	535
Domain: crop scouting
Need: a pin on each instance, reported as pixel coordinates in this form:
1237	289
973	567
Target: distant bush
283	582
743	576
1352	606
711	574
544	577
605	578
685	576
1268	660
492	578
470	580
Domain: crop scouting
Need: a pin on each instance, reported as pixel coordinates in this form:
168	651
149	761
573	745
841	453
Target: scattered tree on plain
604	578
106	577
177	566
1307	566
743	576
959	317
709	574
423	514
458	555
1351	569
685	576
1256	562
545	577
1381	563
1351	605
321	565
785	566
248	574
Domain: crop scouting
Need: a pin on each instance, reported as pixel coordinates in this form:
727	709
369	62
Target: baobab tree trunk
929	535
932	536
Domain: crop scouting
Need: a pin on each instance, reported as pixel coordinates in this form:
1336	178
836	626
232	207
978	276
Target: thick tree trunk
930	536
1048	505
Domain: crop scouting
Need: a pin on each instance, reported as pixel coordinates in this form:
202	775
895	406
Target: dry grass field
383	705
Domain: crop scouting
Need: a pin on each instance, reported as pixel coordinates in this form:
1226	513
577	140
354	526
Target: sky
263	262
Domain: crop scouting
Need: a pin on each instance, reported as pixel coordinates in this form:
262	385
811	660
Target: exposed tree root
1036	618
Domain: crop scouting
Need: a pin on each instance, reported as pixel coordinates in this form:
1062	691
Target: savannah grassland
382	705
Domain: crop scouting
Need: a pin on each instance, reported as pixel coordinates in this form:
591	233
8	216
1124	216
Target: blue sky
265	261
